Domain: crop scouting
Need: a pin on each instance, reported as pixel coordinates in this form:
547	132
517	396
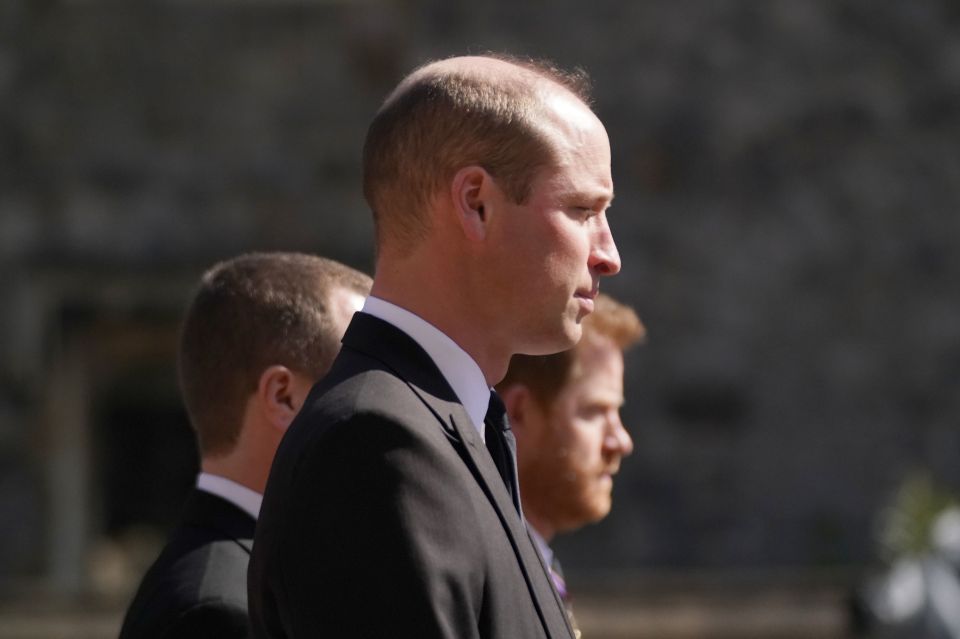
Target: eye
592	411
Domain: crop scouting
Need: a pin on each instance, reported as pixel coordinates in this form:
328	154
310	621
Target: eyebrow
580	196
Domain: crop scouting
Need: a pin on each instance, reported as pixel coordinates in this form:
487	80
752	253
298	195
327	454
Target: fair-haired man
392	507
565	412
260	330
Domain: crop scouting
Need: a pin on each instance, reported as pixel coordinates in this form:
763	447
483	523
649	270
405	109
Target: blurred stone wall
787	177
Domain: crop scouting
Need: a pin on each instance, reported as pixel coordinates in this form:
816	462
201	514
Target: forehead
597	352
597	367
581	148
566	113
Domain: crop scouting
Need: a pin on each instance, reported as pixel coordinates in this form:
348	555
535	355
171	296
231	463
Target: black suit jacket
385	516
197	586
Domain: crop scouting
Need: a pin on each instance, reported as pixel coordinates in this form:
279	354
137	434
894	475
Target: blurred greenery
905	525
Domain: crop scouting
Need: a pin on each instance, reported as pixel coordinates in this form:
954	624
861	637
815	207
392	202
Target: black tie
502	445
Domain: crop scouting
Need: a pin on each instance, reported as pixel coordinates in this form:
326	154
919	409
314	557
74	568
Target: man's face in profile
573	447
555	245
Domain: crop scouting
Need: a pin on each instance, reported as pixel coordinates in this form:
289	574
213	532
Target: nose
618	439
604	257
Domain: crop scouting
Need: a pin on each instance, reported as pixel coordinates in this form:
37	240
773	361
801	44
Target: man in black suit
392	507
565	411
261	329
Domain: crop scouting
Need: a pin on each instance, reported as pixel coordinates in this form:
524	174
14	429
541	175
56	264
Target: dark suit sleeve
210	620
380	515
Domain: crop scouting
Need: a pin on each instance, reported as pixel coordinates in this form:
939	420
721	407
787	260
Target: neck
218	467
417	288
238	466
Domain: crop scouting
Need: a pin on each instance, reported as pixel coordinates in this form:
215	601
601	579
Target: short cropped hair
439	121
247	314
546	375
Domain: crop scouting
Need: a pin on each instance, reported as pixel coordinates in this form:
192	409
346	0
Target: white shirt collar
240	496
457	367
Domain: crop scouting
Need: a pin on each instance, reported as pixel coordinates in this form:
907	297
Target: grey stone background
787	177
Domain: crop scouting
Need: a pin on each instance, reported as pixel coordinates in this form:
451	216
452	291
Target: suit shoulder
211	617
366	389
197	575
373	399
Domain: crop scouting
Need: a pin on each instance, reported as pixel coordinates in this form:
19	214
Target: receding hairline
492	69
489	110
559	102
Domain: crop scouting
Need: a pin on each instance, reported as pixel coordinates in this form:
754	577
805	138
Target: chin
599	514
580	520
562	340
599	509
573	332
587	512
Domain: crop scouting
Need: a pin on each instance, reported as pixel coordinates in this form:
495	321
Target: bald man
392	509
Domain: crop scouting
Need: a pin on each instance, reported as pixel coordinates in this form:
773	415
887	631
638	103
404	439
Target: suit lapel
531	564
402	355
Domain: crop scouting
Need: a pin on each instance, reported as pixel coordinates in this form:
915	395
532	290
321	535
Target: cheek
560	459
579	453
563	243
569	253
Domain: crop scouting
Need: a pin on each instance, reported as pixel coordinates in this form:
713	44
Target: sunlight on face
545	293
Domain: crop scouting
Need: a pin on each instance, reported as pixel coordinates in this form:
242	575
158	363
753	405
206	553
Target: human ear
470	188
281	393
528	420
516	398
